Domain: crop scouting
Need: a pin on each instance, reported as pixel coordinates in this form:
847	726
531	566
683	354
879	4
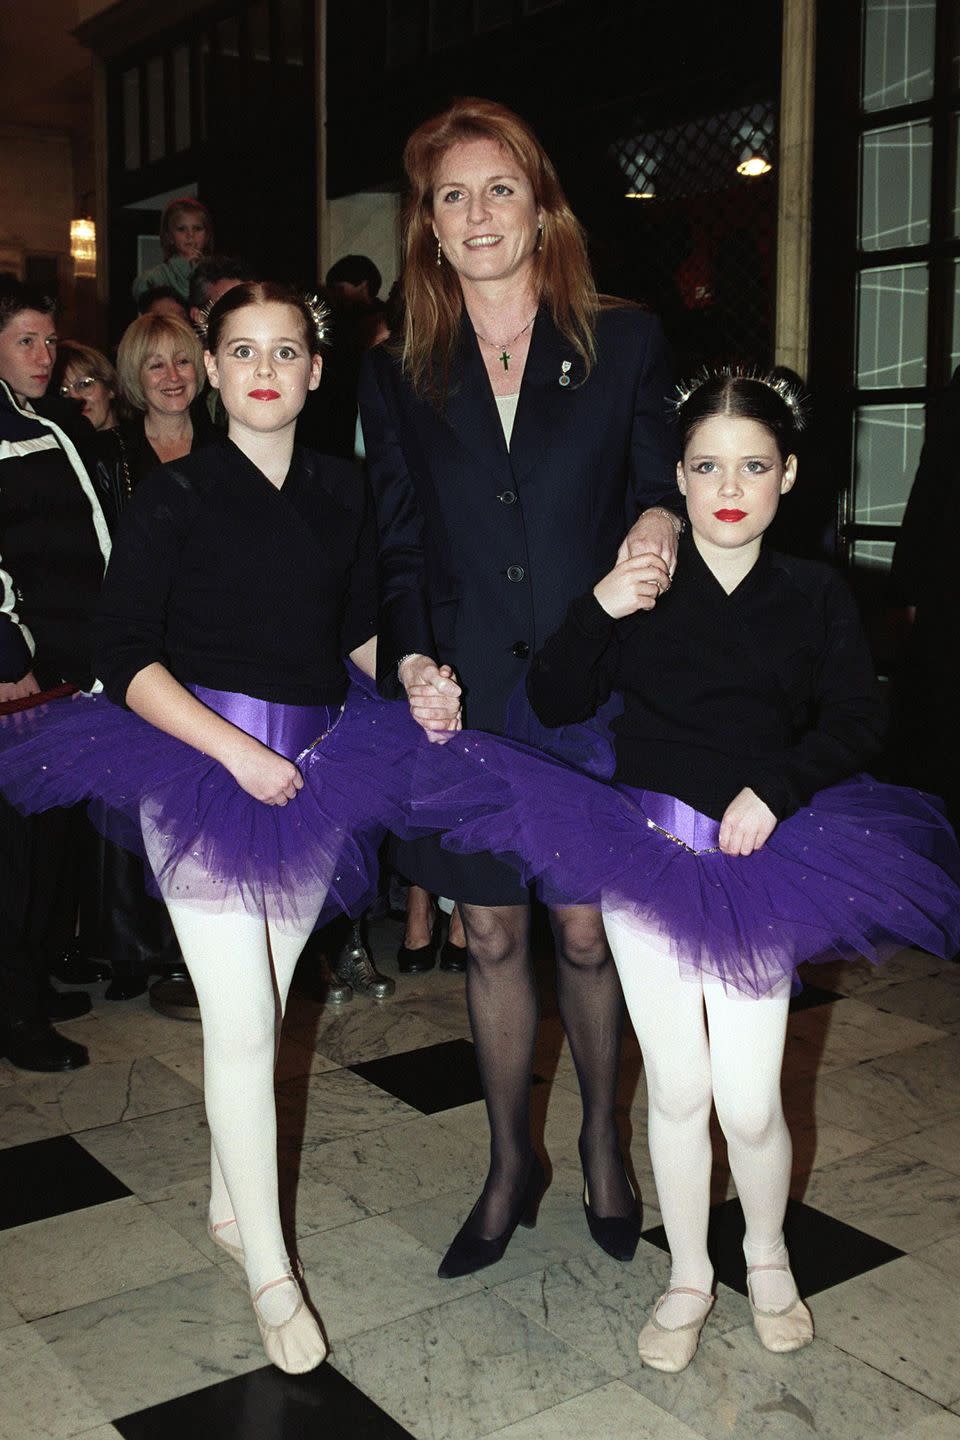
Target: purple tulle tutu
863	870
209	843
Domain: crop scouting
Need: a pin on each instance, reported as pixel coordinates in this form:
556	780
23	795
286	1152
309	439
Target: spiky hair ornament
791	395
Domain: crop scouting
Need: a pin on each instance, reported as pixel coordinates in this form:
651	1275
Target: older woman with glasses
85	376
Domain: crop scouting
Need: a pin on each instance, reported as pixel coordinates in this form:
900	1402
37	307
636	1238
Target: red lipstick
730	516
264	394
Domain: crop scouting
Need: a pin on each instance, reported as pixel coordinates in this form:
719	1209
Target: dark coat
482	549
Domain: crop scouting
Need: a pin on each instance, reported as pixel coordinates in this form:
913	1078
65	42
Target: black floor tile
823	1251
52	1177
812	995
437	1077
267	1405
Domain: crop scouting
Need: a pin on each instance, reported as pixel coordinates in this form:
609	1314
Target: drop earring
540	236
439	253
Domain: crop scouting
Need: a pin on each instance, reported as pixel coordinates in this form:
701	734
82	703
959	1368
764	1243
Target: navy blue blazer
482	549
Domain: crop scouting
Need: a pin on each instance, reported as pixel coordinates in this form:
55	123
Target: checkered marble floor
118	1316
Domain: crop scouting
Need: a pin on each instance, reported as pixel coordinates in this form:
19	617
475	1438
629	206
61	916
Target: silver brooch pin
565	367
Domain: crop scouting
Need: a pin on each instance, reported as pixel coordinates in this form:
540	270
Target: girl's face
96	399
733	476
263	367
484	212
169	380
189	230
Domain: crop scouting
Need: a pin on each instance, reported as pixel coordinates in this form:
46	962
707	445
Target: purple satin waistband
679	821
287	729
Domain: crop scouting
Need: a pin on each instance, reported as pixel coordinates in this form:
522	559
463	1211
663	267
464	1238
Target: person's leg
242	975
746	1053
285	950
503	1009
668	1015
26	1037
591	1007
421	915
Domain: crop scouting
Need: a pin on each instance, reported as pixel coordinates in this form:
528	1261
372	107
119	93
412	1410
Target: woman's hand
657	531
433	695
263	773
747	824
19	689
633	584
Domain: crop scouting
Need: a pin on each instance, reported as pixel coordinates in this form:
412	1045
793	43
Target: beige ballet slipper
671	1348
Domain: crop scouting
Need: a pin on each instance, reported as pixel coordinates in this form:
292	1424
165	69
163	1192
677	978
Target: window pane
258	30
451	22
898	45
228	37
892	327
872	554
956	175
887	444
181	97
156	136
291	25
490	14
203	70
895	186
131	119
405	31
955	351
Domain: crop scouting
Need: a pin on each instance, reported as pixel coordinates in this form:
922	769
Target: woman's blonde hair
432	294
183	205
144	337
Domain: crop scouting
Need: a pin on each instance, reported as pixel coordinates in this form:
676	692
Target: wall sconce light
753	145
754	161
83	247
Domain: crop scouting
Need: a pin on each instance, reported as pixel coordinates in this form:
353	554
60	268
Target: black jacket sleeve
404	626
129	631
653	442
360	610
574	672
847	726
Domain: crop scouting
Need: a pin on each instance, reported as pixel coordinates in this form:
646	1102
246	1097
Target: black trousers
39	886
120	922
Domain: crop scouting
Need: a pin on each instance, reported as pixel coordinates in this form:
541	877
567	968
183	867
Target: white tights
736	1065
241	969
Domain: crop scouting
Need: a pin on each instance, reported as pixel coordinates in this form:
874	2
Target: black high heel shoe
618	1235
420	958
469	1252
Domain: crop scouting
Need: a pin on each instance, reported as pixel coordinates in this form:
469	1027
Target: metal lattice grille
703	218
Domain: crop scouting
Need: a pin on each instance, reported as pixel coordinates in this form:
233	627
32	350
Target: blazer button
507	497
522	650
514	572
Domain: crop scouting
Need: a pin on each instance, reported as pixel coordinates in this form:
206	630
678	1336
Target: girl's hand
633	584
263	773
747	824
19	689
434	697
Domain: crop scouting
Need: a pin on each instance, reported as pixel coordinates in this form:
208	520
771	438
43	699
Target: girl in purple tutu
719	858
231	746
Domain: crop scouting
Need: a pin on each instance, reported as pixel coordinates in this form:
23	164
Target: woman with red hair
513	438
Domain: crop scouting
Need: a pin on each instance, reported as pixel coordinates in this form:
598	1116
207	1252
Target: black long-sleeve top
232	583
770	687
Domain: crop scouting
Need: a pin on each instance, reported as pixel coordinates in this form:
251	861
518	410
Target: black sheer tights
502	1002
